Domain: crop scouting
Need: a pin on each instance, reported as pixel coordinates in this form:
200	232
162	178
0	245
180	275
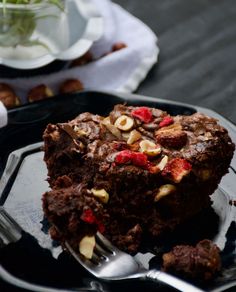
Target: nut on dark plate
39	92
71	85
8	96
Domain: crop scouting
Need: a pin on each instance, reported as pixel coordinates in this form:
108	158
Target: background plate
24	181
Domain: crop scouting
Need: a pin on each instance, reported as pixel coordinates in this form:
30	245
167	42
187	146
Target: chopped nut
164	190
175	126
80	132
124	123
161	165
133	137
208	135
71	85
113	129
101	194
125	135
86	246
78	145
149	148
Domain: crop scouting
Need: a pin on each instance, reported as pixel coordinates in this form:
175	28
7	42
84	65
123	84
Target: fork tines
103	249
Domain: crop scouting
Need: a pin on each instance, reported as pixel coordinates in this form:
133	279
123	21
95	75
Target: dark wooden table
197	61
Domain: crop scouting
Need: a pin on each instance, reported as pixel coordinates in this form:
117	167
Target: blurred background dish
34	35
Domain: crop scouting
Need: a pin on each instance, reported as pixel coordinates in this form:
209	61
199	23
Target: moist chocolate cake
137	170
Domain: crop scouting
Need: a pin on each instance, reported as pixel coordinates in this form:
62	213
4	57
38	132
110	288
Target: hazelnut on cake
138	169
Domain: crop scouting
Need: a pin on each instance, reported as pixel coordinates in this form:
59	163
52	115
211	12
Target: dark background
197	61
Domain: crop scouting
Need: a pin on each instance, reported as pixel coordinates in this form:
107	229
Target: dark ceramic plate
34	261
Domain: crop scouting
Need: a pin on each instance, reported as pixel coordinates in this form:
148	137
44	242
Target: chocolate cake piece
200	263
139	169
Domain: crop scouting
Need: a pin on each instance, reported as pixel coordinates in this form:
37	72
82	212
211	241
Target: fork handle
159	276
10	231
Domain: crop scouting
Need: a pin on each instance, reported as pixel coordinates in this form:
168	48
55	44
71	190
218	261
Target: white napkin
121	71
3	115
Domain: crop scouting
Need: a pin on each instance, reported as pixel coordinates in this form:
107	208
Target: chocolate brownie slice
139	169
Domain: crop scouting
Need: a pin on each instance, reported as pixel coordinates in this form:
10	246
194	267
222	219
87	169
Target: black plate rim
16	157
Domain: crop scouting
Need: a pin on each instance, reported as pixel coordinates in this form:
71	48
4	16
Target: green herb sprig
55	2
18	25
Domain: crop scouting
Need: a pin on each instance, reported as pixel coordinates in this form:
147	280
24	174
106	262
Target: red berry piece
123	157
139	159
142	113
166	122
135	158
176	169
88	216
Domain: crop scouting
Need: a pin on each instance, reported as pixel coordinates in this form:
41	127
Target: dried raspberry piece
88	216
176	169
136	158
166	122
142	113
139	159
123	157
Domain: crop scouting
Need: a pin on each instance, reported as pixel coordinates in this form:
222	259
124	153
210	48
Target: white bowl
65	35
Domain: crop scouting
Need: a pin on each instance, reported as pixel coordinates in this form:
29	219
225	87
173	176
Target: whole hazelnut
118	46
39	92
124	123
83	60
71	85
8	96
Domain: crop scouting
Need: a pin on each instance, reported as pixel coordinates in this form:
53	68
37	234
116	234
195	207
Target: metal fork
109	263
